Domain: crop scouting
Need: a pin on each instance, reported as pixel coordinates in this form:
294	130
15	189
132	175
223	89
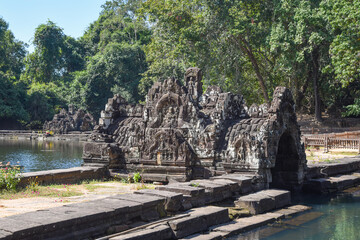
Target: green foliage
9	176
195	184
11	106
43	101
12	52
33	184
137	177
344	17
247	47
352	110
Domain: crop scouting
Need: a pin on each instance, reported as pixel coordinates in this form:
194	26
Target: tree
300	40
225	38
55	57
114	47
11	104
11	55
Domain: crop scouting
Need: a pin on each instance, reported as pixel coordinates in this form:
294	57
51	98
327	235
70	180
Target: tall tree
300	40
225	38
114	46
11	93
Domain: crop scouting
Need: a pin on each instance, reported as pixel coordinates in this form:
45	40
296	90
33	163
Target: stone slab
249	223
5	235
48	221
184	189
282	198
80	214
218	190
162	232
319	185
173	201
234	186
145	200
189	225
256	203
244	181
213	215
343	182
20	229
205	236
199	220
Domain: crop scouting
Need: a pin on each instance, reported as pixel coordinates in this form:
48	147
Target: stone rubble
71	120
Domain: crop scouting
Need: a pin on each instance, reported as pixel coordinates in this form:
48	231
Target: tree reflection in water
41	155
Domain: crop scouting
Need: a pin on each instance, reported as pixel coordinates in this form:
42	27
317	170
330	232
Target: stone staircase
212	222
186	202
332	177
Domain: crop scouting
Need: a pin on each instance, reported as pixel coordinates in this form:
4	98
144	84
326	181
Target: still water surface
41	155
337	217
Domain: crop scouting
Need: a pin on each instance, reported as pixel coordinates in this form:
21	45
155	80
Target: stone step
244	181
345	166
264	201
216	190
161	232
332	184
184	189
173	201
249	223
205	236
200	219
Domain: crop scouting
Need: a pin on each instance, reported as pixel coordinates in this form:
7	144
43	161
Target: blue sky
73	16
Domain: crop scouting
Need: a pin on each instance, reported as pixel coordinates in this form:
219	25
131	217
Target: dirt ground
101	190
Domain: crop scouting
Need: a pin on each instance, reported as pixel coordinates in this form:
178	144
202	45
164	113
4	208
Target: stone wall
63	176
185	134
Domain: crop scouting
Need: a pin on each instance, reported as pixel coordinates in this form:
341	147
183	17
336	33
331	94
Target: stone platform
333	177
96	218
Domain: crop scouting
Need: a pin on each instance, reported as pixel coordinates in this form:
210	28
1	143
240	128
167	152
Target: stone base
264	201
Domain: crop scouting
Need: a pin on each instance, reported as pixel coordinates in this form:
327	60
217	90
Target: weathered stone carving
183	134
70	120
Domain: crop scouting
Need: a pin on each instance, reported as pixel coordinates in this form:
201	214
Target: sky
73	16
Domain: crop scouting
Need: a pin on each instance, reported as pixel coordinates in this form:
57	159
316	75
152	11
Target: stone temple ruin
182	133
71	120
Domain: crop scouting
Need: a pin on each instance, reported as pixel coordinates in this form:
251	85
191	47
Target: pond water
332	217
41	155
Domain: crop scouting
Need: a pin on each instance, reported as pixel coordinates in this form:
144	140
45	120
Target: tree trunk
317	100
246	48
303	90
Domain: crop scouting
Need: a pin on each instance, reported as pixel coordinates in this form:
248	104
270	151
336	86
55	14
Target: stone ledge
264	201
249	223
161	232
64	176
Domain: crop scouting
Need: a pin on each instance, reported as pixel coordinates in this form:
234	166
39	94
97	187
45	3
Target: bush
137	177
353	110
9	176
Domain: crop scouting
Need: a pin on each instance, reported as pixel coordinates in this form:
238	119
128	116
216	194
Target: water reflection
41	155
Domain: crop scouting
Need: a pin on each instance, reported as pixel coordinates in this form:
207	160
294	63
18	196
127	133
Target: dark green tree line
245	46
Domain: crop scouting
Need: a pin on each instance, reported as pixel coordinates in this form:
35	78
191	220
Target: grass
64	190
344	153
41	191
